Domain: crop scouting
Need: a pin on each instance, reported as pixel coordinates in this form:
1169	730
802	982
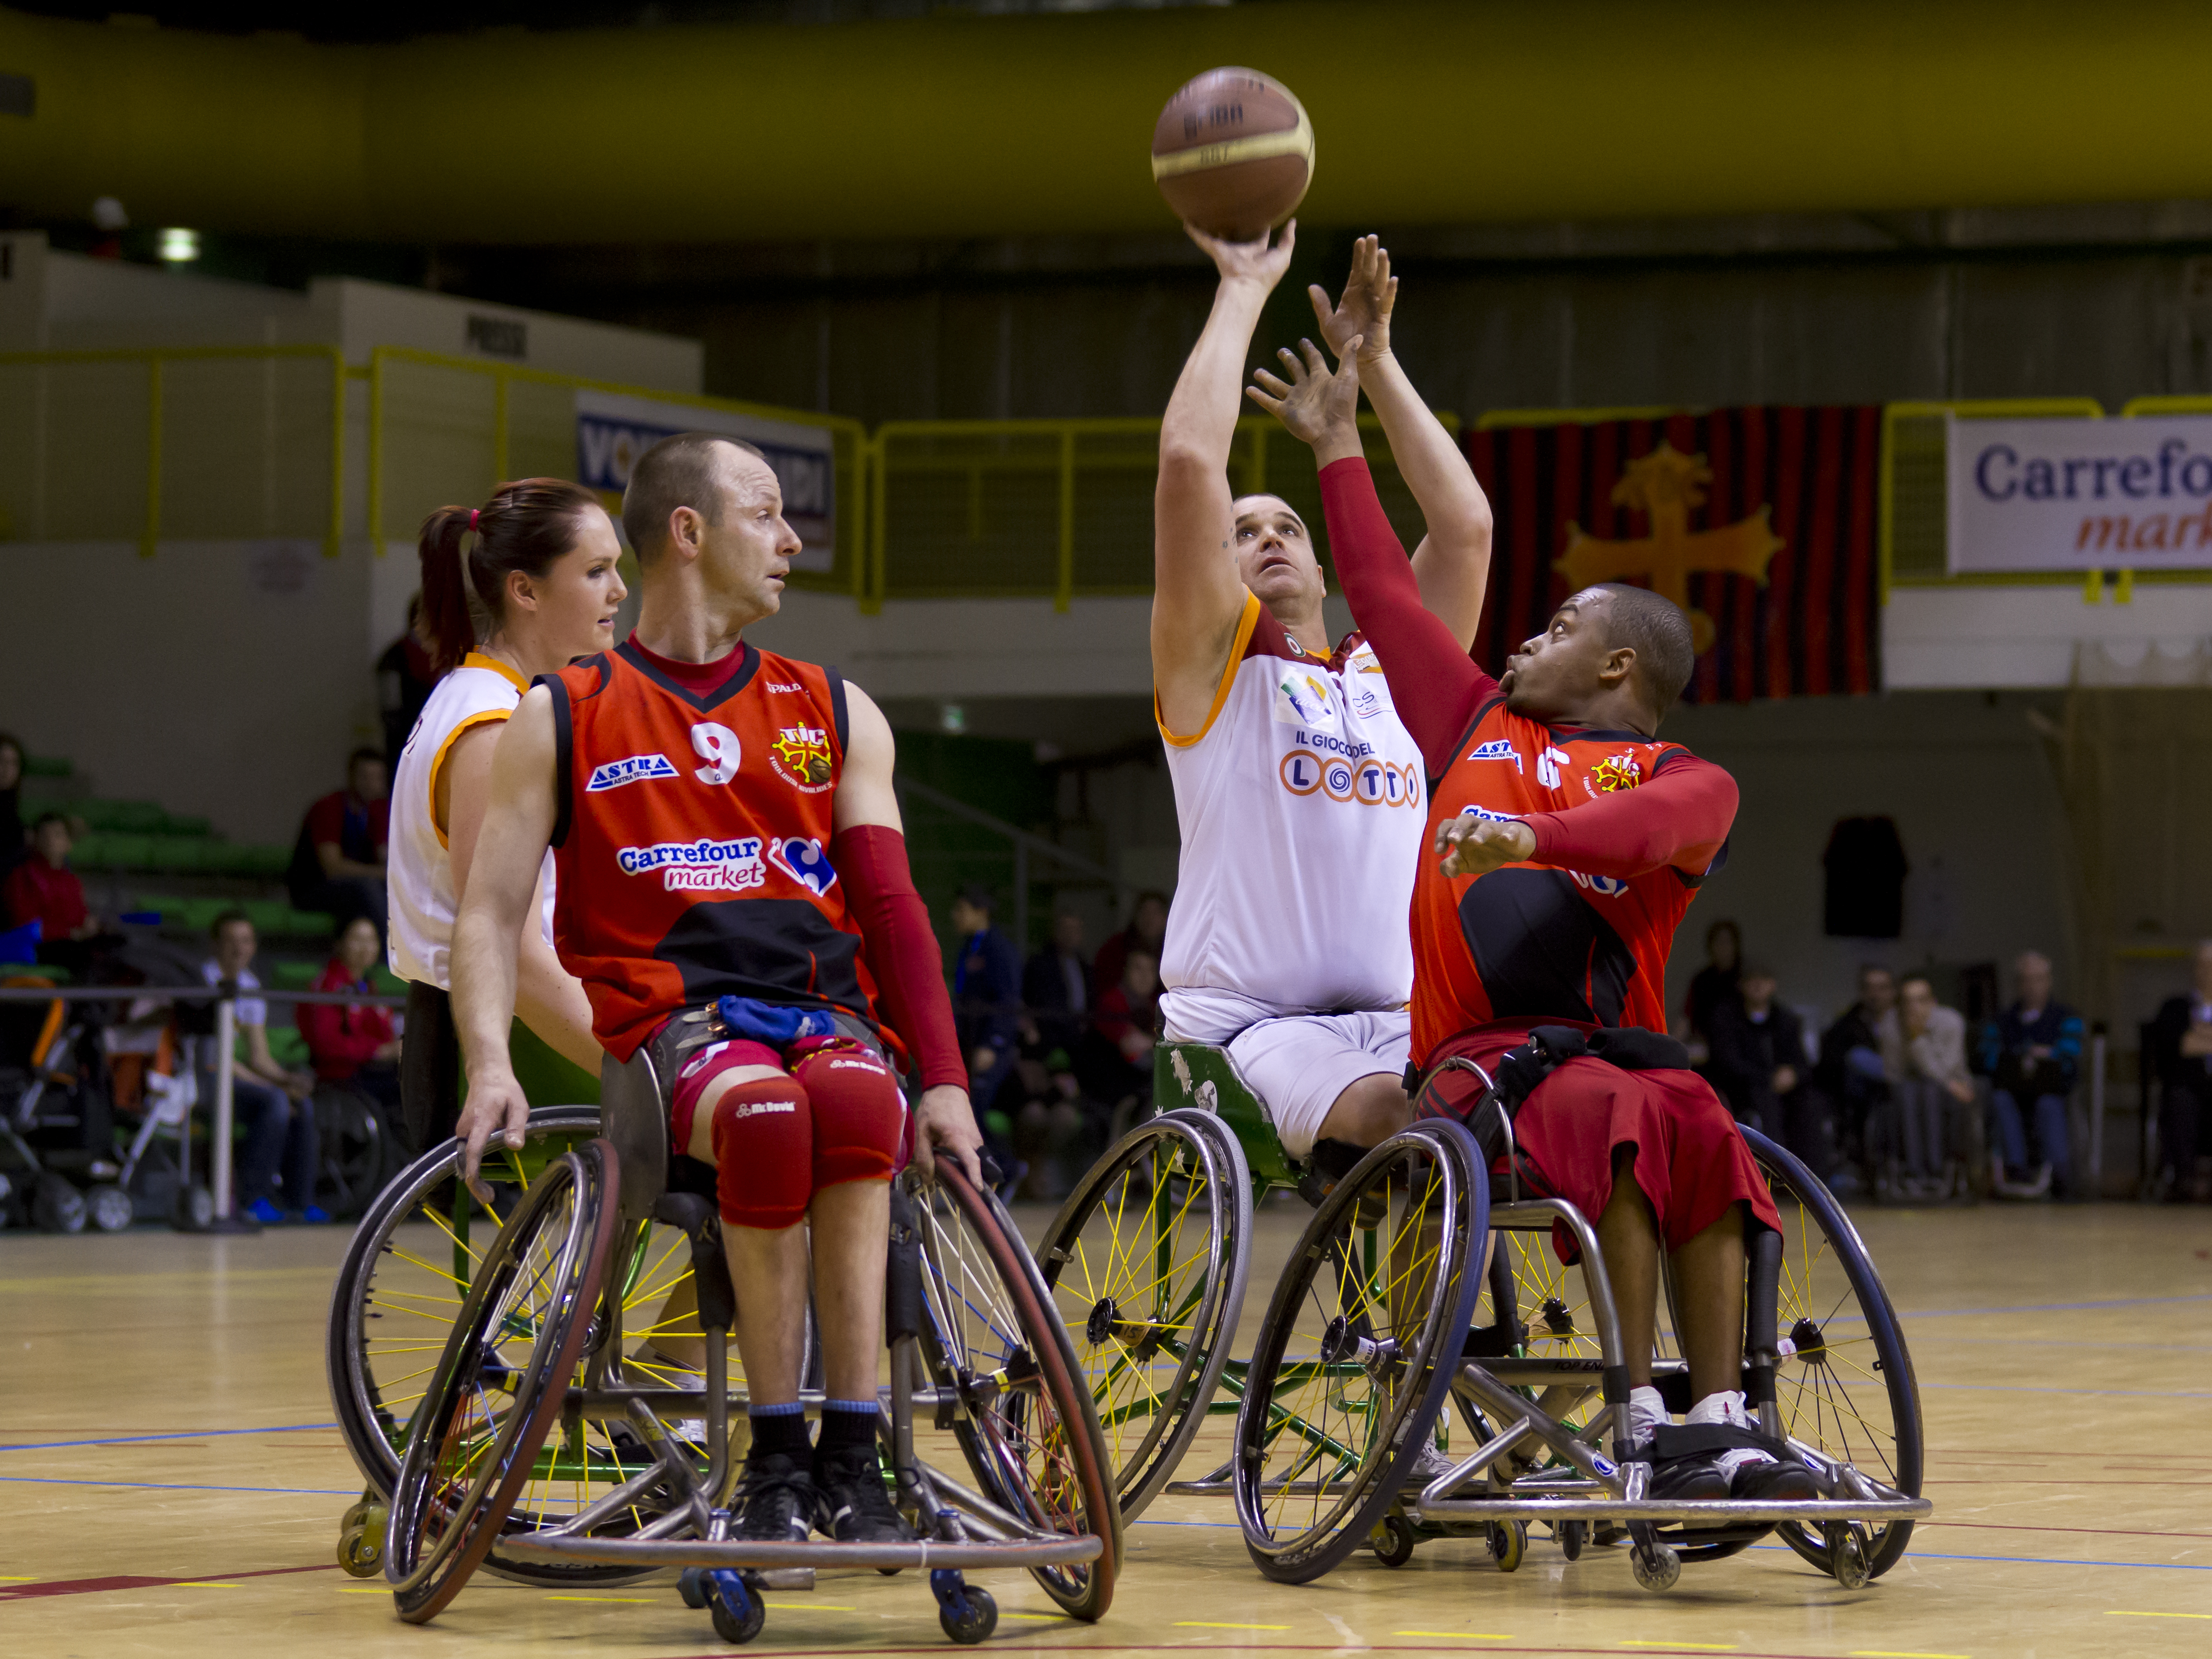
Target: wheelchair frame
964	1528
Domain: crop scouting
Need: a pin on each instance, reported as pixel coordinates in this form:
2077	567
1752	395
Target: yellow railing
848	438
156	360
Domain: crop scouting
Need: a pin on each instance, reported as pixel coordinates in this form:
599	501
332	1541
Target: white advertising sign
2080	495
612	430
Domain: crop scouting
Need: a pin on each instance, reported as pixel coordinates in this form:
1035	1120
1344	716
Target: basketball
1233	153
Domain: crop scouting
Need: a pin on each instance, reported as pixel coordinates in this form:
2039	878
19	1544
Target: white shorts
1299	1064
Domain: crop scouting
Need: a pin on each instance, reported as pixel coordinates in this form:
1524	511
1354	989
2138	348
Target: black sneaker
851	1503
1693	1479
776	1500
1777	1480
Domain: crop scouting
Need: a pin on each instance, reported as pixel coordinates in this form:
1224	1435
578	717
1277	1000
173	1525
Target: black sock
847	1423
779	1430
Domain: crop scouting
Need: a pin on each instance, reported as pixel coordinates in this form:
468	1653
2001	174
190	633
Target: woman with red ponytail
518	587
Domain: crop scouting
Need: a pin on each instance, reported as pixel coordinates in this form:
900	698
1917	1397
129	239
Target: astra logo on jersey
806	862
612	774
800	756
1360	778
698	866
1498	748
1487	816
1604	886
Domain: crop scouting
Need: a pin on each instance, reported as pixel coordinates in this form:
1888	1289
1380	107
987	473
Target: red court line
96	1586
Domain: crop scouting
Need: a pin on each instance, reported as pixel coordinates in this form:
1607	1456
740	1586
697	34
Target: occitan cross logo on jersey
1615	772
800	755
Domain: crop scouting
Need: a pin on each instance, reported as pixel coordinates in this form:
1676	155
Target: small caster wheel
57	1208
969	1615
194	1211
1656	1565
112	1209
891	1572
1392	1540
360	1552
691	1586
1573	1534
738	1614
1847	1556
357	1512
1508	1543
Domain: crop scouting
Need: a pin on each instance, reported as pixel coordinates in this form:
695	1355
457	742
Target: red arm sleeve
1415	649
903	952
1681	817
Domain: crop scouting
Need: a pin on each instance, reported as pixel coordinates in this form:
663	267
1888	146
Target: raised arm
518	827
1452	564
1197	597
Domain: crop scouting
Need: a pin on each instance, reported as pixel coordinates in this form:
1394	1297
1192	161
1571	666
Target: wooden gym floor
172	1482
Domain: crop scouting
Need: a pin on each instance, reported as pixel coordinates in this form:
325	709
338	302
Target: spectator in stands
1851	1076
14	849
1056	985
1924	1055
270	1103
1116	1061
406	674
338	864
2032	1053
1147	928
2181	1055
1713	984
44	889
353	1044
1758	1048
986	994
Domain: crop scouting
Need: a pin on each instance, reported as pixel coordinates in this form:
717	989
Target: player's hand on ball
945	1122
1360	321
496	1106
1470	846
1313	403
1262	261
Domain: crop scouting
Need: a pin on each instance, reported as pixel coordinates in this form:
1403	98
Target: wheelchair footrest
1708	1512
549	1547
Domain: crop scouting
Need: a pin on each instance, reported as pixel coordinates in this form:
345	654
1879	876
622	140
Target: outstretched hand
1262	261
1316	406
1360	320
1470	846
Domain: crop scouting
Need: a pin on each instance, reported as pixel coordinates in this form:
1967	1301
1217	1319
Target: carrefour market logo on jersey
612	774
698	866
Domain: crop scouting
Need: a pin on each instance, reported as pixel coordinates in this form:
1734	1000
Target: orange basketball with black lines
1233	153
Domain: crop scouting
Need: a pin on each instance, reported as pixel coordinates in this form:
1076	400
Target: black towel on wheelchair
1670	1441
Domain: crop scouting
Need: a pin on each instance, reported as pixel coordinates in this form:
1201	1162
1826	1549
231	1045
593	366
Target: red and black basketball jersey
1578	935
691	846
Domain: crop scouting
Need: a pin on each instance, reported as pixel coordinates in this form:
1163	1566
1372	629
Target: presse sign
2080	495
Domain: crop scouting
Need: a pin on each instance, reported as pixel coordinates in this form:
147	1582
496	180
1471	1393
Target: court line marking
1471	1635
633	1601
202	1584
1701	1647
1886	1653
2123	1612
1203	1624
174	1485
38	1587
2043	1560
142	1439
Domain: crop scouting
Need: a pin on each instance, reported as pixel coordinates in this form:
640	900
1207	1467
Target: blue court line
140	1439
170	1485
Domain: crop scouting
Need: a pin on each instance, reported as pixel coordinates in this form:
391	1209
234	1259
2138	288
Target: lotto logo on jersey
806	862
636	770
1498	749
800	756
698	866
1369	781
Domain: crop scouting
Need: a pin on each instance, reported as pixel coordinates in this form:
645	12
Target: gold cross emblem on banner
1664	486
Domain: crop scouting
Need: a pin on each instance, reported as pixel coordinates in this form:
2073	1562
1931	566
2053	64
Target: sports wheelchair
536	1445
1341	1436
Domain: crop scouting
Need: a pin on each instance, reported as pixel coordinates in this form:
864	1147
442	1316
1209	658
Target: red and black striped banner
1790	491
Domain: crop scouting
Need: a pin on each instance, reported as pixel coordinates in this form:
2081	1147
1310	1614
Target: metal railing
1024	848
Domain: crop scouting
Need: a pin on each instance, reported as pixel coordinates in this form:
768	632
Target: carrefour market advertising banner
2080	495
613	430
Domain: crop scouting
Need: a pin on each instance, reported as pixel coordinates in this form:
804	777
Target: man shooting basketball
1566	843
1298	786
725	843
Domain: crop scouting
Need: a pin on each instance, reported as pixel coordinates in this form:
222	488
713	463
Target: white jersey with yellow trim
419	873
1303	809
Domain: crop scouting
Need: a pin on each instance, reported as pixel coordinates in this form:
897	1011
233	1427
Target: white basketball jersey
1302	807
419	876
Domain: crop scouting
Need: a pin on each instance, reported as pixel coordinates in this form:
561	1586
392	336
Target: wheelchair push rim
1147	1261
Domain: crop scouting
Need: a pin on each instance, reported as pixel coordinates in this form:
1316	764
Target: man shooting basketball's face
1274	554
747	550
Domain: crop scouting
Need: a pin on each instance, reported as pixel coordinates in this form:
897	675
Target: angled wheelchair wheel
1146	1261
476	1443
1028	1433
1845	1385
1360	1344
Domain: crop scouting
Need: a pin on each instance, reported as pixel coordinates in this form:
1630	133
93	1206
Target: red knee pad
765	1153
860	1120
702	1069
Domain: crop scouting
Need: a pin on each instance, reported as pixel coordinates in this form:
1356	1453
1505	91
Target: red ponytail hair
525	527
